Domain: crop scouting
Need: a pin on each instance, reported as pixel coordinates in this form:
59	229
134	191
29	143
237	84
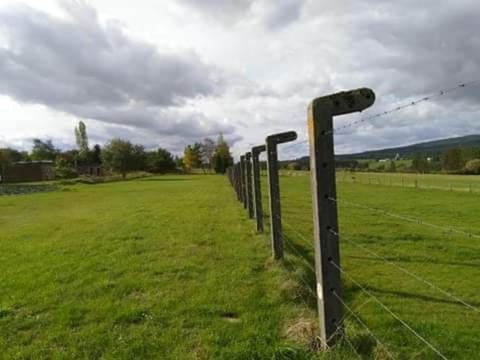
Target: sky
169	73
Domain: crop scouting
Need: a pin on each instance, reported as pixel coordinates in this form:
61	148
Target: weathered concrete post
322	173
242	181
248	165
237	182
274	189
257	189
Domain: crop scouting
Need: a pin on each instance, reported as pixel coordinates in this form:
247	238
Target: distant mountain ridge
429	148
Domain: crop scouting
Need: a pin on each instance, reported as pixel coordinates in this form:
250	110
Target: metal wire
303	238
352	312
352	347
386	308
411	274
292	247
406	218
407	105
308	288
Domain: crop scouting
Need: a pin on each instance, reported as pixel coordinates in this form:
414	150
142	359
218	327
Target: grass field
464	183
450	261
170	267
164	267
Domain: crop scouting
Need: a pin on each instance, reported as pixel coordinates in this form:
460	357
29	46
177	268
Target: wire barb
407	105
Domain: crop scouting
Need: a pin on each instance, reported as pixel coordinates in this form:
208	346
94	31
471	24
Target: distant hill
429	148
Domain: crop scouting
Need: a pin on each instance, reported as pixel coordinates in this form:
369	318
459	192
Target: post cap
258	149
345	102
281	137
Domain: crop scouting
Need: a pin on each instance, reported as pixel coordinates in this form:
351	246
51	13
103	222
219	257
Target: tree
392	166
160	161
96	155
64	168
192	156
452	160
81	138
420	163
473	167
43	150
121	156
222	158
207	152
294	166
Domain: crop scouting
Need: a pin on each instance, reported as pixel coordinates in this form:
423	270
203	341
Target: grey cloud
271	14
92	70
224	10
80	61
278	14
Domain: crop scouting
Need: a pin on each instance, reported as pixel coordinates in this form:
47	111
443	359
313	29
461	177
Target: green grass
449	261
464	183
170	267
164	267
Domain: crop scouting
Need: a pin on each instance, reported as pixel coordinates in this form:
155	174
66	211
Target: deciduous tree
222	158
43	150
122	156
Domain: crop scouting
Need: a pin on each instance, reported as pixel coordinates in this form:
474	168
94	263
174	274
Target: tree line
455	160
208	156
119	156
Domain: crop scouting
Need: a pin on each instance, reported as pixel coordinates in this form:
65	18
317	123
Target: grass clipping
305	332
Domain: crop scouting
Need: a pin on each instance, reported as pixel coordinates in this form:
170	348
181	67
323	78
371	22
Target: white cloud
256	63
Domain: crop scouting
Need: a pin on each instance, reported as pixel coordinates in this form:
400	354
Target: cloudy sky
166	73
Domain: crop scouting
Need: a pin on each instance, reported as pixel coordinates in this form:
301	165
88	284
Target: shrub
473	167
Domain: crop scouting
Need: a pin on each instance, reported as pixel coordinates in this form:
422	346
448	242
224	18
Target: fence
332	306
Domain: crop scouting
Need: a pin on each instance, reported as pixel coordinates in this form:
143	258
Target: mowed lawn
443	258
171	268
158	268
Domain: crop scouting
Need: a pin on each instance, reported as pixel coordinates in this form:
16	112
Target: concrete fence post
257	189
238	185
322	164
274	189
242	181
248	174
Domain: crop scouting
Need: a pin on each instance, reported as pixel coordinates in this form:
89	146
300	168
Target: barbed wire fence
323	283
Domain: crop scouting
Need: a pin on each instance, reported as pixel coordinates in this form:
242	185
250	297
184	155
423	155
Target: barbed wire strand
408	272
407	105
406	218
387	309
357	317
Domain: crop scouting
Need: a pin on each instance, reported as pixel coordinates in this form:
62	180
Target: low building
27	171
89	170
